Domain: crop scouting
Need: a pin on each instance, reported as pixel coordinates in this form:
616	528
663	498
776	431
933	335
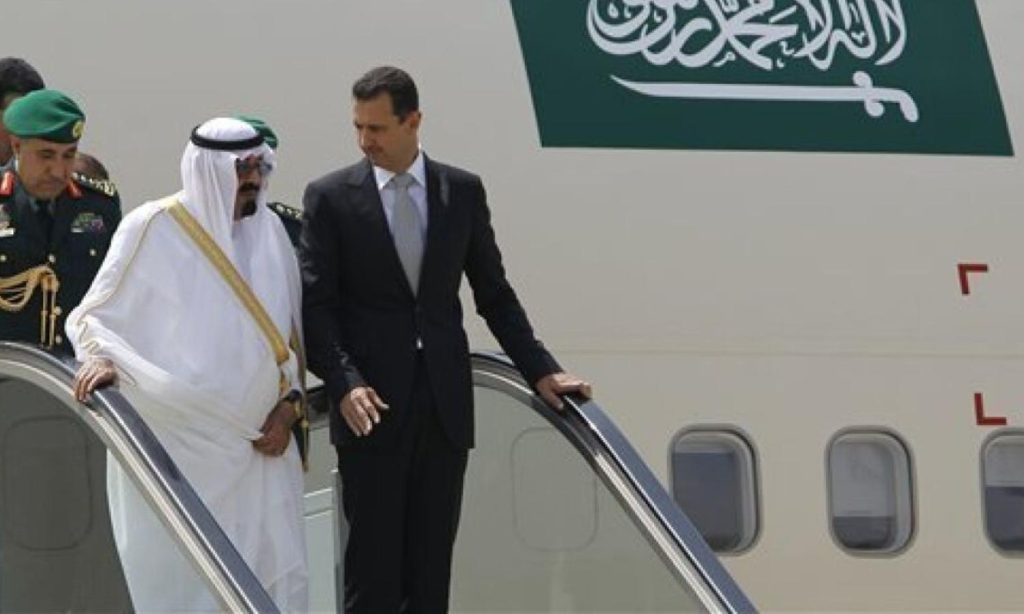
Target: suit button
57	310
3	257
92	252
51	259
58	340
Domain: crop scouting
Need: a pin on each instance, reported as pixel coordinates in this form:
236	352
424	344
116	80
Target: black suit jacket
362	320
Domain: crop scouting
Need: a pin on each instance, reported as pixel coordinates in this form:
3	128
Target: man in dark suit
384	245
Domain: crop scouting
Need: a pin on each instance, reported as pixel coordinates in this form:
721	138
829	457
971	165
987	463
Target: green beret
261	127
45	114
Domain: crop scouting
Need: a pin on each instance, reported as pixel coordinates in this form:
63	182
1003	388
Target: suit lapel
437	203
368	206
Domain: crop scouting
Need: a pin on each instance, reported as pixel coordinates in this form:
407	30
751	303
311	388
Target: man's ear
15	145
414	119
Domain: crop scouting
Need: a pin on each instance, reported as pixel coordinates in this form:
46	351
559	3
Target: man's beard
249	193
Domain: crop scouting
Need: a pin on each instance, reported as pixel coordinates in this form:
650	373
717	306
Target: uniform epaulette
286	211
103	186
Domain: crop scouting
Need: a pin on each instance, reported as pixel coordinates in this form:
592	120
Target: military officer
290	216
55	226
17	78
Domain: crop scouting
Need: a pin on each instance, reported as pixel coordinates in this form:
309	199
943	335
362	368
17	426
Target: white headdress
209	179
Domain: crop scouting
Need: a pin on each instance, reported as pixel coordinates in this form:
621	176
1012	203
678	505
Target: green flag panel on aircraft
804	75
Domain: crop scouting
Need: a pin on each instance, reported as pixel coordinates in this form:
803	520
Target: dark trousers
402	504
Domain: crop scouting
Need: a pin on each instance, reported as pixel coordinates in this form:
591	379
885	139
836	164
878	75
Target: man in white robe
202	368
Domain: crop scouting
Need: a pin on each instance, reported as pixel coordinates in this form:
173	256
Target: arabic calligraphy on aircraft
768	35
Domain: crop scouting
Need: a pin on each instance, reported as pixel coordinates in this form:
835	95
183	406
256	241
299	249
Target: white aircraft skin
789	296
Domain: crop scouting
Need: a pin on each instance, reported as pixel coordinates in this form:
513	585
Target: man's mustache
249	187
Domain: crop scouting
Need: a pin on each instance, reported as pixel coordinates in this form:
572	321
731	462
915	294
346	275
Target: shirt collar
418	170
19	187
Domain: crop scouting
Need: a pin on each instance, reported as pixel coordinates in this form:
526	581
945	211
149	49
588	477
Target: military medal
88	222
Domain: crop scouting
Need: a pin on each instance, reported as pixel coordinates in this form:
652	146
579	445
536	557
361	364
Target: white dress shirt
417	191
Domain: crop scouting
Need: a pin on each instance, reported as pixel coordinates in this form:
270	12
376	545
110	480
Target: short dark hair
395	82
18	77
89	166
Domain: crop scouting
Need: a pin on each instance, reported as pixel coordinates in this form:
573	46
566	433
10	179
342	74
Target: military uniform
45	272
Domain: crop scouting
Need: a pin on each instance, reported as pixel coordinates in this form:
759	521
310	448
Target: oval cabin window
1003	474
714	482
870	493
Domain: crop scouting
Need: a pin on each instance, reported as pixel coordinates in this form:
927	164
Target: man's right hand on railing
93	373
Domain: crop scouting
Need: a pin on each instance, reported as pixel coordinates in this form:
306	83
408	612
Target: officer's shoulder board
287	212
103	186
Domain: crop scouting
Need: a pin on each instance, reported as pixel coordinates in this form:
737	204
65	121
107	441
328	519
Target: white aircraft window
1003	474
870	493
714	482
